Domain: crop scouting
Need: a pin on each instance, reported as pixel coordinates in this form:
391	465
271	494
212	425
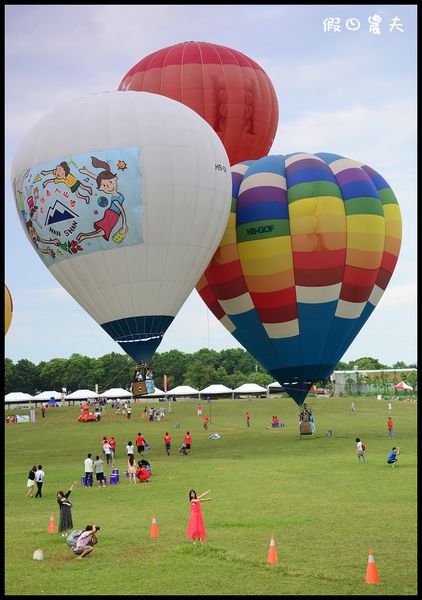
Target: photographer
86	541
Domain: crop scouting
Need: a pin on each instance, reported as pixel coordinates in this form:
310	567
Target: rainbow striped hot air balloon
310	246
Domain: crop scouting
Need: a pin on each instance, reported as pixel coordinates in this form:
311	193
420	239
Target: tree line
231	367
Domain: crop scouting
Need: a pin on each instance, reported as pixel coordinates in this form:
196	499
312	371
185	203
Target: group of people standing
94	467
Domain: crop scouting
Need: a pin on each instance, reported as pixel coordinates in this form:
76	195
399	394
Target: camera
97	527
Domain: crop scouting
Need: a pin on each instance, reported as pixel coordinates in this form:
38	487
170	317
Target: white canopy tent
274	385
82	395
17	397
183	390
45	396
116	393
250	388
216	390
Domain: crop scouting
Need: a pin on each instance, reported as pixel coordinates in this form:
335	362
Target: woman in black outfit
66	522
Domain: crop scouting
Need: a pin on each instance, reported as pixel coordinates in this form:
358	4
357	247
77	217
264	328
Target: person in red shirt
143	474
140	443
167	442
390	428
112	443
187	440
205	420
43	410
248	420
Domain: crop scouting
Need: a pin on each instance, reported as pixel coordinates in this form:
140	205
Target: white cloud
399	296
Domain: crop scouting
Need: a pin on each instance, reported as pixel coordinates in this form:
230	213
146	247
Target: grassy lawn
325	510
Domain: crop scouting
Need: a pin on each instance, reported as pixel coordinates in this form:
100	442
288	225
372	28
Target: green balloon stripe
258	230
313	189
365	205
387	196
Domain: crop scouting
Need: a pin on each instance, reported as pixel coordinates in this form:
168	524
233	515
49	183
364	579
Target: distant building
371	380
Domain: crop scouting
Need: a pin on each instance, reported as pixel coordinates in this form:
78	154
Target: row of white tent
181	390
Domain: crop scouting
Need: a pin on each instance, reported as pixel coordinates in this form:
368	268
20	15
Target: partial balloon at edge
310	246
8	309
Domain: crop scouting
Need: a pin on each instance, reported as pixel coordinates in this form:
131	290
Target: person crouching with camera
86	541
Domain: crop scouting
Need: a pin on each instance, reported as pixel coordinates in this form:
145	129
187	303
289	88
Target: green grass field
324	509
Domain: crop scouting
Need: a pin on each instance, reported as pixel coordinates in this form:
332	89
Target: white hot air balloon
125	197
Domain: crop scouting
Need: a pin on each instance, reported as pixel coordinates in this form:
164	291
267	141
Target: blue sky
351	92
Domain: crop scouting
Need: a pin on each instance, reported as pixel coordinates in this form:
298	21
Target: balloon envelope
8	309
310	246
228	89
124	196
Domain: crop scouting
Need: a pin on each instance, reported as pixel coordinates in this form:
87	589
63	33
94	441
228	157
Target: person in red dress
196	527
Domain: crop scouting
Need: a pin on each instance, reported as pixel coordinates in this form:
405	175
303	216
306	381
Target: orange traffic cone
272	552
154	528
371	570
52	525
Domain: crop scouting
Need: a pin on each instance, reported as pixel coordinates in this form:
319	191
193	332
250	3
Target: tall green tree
399	365
367	363
259	378
9	376
172	363
199	375
26	377
114	370
52	375
79	373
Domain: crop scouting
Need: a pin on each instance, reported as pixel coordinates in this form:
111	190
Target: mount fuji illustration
59	212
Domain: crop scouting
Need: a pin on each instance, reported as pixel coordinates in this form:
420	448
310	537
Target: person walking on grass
167	442
103	442
112	443
39	479
390	426
129	448
31	482
360	450
140	443
108	453
187	440
65	521
248	420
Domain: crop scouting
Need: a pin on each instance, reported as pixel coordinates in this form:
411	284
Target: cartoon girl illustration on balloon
107	183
